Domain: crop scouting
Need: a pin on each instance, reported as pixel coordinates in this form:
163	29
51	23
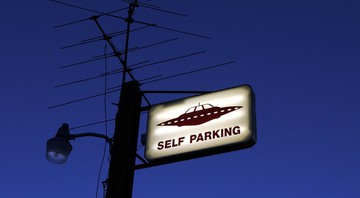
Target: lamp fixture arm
64	132
74	136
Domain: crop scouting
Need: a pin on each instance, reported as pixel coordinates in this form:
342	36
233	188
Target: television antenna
127	119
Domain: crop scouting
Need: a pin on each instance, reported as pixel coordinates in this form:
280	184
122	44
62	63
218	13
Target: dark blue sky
301	58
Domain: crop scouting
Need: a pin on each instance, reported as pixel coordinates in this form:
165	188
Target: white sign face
201	123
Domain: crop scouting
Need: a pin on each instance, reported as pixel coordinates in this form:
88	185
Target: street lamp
123	144
58	148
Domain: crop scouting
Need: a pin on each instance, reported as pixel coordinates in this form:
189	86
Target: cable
105	125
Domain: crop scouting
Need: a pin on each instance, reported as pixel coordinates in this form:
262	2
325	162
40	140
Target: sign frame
249	141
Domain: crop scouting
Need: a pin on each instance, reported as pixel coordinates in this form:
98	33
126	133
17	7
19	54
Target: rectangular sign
202	125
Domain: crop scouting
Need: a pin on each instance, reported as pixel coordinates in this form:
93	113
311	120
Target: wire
105	125
189	72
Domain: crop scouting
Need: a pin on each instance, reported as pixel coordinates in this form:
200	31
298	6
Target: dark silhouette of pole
123	153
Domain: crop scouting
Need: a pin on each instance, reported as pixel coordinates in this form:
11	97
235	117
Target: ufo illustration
199	114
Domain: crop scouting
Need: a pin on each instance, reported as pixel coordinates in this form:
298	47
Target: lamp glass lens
56	157
58	150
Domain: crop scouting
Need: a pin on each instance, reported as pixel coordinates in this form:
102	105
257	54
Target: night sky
300	57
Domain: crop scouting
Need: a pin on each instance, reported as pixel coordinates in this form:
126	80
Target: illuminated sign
202	125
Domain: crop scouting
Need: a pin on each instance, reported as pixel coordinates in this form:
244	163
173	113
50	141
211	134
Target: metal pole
123	155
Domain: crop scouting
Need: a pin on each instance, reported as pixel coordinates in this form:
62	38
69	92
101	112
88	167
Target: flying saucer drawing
199	114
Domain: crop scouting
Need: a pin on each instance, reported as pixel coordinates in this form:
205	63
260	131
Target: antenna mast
129	20
123	154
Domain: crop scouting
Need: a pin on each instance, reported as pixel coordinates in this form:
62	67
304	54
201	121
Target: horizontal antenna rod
171	59
81	62
82	20
158	62
95	58
100	38
114	34
189	72
73	22
141	3
136	21
166	11
145	46
179	31
86	9
157	76
90	124
177	92
157	8
94	77
82	99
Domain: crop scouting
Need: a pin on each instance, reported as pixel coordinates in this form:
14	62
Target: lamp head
59	148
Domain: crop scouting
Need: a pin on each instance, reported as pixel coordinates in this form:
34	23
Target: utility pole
123	153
